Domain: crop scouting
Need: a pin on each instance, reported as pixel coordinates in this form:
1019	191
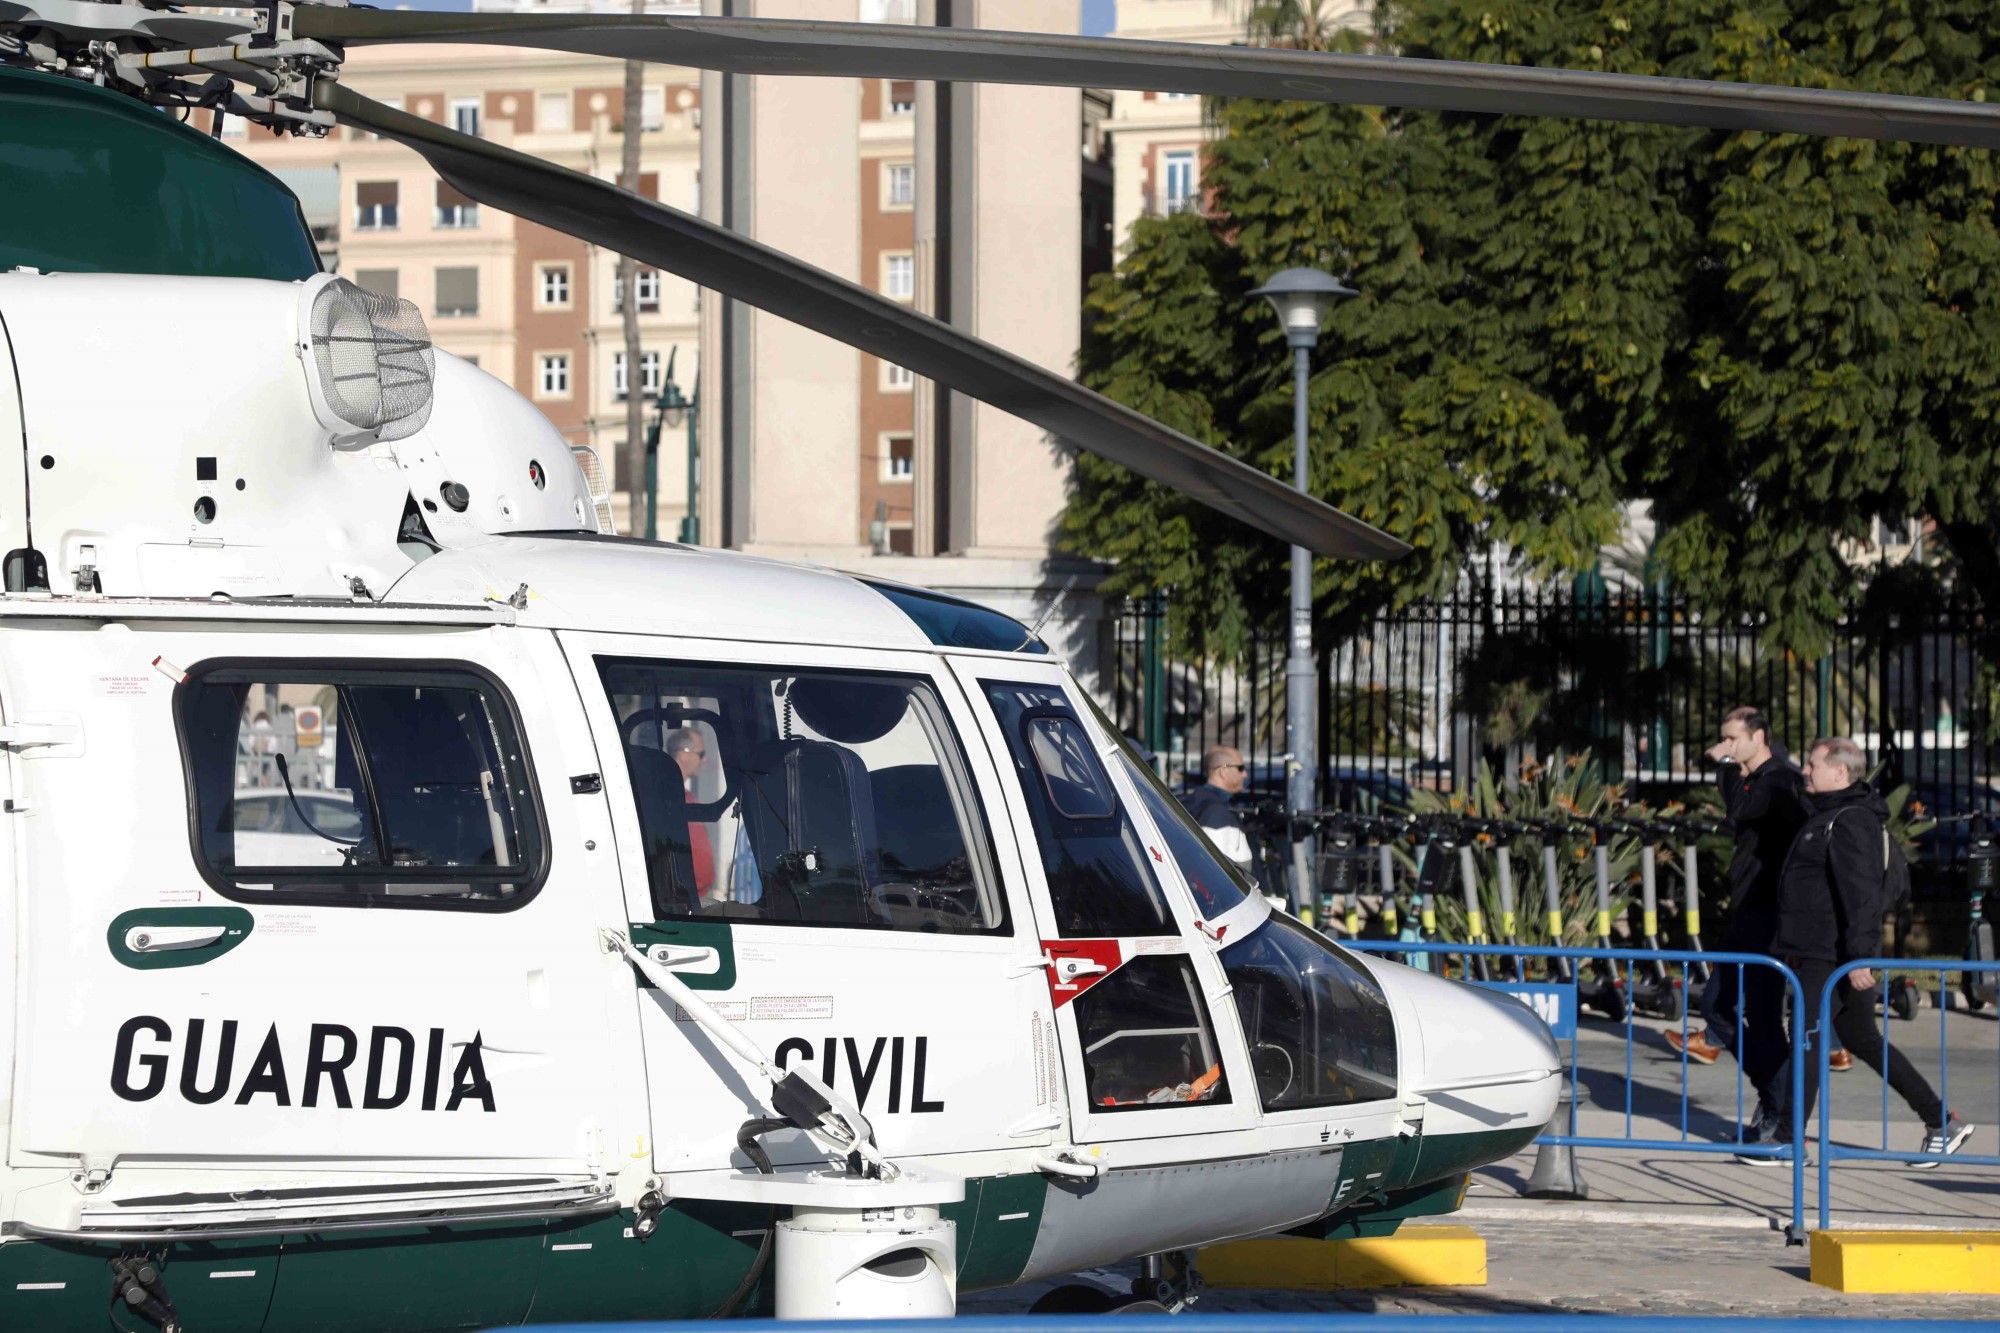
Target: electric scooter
1691	831
1551	833
1604	989
1654	989
1435	861
1982	884
1475	919
1503	833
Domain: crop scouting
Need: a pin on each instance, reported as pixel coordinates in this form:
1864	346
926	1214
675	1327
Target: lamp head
1302	296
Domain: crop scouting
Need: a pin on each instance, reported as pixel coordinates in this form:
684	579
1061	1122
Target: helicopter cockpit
802	797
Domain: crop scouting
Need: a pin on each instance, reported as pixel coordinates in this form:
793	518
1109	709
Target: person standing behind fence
1223	774
1765	800
1830	905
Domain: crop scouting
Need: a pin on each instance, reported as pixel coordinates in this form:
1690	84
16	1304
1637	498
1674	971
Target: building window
552	376
359	785
902	539
649	375
649	292
903	97
465	115
552	113
233	127
1177	97
1177	175
457	291
393	103
455	211
381	281
899	277
899	458
552	286
895	377
902	184
653	109
375	205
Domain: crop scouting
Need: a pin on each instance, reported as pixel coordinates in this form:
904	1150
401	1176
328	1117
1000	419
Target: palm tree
1306	25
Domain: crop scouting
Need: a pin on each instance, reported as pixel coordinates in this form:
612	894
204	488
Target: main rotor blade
717	258
897	51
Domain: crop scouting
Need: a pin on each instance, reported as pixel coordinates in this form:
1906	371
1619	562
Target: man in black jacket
1223	775
1830	906
1765	799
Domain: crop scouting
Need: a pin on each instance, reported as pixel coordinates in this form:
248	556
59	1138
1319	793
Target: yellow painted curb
1930	1262
1427	1256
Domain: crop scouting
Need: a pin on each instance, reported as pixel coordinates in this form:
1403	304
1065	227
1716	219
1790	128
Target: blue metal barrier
1828	1149
1578	957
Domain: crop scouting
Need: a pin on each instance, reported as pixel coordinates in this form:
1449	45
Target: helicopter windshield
1320	1029
806	798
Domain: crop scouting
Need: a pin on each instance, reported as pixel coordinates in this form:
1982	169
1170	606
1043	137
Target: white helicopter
431	912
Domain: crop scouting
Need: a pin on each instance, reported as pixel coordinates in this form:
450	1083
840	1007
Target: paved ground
1864	1193
1546	1266
1672	1233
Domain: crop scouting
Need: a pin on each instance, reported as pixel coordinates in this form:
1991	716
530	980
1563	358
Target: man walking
1223	774
1764	797
1830	905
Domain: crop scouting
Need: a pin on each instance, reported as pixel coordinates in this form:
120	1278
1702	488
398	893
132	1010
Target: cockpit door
810	832
1150	1050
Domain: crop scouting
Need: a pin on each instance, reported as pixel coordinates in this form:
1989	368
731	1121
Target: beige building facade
1156	138
962	201
536	308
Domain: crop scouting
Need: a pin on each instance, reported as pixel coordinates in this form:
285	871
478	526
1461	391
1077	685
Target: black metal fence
1637	679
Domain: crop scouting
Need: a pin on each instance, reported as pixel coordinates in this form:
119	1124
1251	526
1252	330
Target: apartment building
536	308
964	201
1156	138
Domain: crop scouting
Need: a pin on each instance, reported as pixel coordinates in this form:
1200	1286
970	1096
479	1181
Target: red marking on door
1066	983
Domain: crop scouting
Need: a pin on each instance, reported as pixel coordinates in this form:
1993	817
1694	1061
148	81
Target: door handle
698	960
158	939
1068	968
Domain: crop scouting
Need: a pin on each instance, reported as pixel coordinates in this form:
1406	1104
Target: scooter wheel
1903	1001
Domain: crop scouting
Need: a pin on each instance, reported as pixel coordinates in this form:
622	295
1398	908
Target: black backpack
1896	889
1895	875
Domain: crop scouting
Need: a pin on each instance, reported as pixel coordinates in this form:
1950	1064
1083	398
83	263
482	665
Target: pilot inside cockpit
814	798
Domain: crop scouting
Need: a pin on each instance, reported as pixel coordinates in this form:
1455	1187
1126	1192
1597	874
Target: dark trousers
1856	1014
1755	1006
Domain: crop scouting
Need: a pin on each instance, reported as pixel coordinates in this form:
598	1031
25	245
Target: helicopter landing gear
1167	1284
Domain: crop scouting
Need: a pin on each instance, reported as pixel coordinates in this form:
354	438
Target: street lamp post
1302	297
675	407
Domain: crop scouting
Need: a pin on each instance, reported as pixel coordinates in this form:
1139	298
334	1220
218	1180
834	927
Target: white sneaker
1943	1140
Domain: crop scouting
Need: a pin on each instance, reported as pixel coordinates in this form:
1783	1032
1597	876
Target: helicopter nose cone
1487	1065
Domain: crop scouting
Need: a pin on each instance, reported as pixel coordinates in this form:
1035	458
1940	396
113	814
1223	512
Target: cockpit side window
1320	1029
1216	885
1100	884
813	798
1146	1037
359	785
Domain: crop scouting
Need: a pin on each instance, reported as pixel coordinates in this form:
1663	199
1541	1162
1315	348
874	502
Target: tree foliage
1772	338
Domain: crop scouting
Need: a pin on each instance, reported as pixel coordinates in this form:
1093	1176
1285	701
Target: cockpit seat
810	816
663	824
